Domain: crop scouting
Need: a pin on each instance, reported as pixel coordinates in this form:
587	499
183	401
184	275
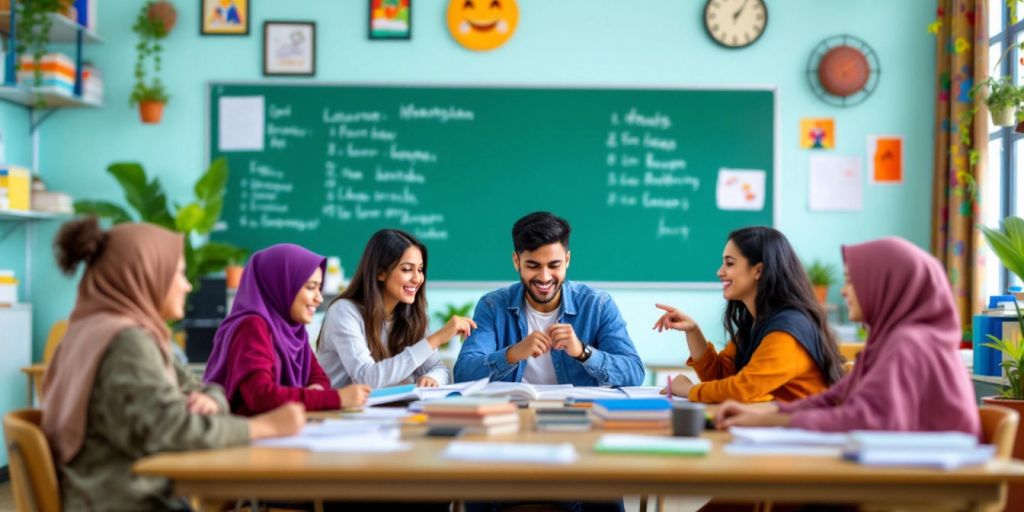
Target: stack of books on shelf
92	84
474	415
633	414
563	419
57	73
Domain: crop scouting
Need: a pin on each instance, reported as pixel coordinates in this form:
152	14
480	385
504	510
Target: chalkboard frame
488	284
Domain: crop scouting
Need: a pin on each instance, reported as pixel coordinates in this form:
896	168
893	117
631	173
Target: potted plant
154	21
1003	99
451	310
195	219
34	23
233	274
822	275
1008	246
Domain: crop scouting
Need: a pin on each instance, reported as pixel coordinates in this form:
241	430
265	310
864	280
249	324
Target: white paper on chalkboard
740	189
241	123
836	183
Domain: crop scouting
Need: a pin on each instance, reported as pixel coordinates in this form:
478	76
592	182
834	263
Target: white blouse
345	355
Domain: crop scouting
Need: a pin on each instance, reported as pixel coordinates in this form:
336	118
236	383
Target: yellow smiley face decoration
482	25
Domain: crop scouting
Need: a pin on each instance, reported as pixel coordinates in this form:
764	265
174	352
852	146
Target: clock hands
736	15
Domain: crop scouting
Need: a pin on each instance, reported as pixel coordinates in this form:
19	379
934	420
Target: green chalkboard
651	179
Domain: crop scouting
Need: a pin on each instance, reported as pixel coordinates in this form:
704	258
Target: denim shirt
500	317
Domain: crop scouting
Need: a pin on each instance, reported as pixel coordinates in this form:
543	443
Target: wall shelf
64	29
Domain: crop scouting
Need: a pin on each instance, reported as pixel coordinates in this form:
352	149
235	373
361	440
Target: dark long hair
409	321
783	284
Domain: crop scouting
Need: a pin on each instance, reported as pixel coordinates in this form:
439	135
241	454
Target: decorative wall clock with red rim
843	70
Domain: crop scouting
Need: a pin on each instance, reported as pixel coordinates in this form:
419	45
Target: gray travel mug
687	419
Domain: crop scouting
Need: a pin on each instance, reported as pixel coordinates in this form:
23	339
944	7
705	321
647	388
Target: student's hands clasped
354	395
456	325
537	343
201	403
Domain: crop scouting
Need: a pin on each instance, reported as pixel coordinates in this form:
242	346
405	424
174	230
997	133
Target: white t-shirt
540	370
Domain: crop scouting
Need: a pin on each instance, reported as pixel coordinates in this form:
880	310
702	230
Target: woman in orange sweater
781	347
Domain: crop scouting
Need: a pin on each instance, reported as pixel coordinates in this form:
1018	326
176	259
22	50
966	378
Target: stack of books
943	450
474	415
564	419
633	414
57	73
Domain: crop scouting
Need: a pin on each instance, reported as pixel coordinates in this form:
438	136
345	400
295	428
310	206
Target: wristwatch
585	354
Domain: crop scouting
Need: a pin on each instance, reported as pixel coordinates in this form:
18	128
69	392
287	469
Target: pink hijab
909	375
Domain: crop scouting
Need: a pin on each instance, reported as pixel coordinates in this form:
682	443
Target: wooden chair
33	475
999	428
36	371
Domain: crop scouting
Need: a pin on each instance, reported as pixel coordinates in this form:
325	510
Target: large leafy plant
1008	245
195	219
451	310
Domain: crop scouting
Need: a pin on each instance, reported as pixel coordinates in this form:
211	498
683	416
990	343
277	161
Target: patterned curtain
961	53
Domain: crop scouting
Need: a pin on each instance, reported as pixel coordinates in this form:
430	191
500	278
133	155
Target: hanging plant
154	22
34	23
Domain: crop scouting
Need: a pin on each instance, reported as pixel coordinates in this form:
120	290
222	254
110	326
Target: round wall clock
735	23
843	70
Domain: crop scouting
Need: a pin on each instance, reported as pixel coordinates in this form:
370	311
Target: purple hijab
269	285
909	375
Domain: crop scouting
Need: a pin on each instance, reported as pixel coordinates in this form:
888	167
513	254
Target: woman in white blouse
374	333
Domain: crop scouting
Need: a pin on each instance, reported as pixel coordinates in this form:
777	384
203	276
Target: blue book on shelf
634	404
83	12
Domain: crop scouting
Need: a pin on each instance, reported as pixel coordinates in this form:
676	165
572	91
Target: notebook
652	445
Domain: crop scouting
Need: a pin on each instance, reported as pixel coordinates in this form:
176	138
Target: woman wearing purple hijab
909	376
261	353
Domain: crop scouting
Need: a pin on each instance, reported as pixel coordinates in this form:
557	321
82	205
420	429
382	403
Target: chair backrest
30	463
999	428
57	332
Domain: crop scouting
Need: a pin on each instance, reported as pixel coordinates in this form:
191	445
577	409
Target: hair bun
77	241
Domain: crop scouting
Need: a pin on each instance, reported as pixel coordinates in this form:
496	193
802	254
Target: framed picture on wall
224	17
289	48
390	19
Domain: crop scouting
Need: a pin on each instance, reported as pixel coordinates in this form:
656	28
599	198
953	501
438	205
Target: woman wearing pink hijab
909	376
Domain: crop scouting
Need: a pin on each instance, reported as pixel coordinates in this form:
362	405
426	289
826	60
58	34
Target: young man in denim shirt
544	329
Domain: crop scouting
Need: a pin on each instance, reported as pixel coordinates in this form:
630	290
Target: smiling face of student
542	272
308	299
739	278
482	24
850	297
403	281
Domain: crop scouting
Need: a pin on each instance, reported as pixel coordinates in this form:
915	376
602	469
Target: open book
411	392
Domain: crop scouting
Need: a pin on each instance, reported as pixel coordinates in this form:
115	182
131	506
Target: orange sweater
780	369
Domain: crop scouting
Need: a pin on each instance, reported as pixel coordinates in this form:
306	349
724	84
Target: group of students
115	393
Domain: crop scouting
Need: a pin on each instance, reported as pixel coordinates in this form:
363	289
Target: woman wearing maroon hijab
909	375
261	353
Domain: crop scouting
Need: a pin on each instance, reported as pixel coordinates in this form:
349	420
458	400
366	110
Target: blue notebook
392	394
634	404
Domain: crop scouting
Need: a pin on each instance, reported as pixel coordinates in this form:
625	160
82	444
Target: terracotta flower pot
821	292
151	112
1015	497
164	13
233	276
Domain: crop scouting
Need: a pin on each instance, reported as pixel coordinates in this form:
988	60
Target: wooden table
219	476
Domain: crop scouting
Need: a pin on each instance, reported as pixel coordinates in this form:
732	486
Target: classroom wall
563	42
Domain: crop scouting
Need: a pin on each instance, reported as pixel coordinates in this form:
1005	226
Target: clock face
735	23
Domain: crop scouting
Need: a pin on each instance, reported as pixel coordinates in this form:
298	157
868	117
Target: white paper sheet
740	189
530	453
241	123
836	183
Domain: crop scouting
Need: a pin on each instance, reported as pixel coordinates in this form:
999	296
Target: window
1004	185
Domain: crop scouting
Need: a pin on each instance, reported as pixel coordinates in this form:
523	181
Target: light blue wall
564	41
